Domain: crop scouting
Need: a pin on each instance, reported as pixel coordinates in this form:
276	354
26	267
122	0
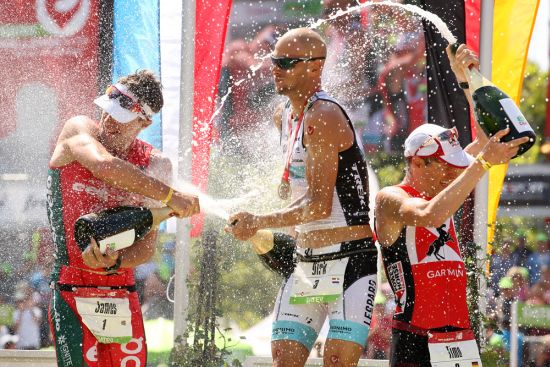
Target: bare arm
78	142
142	250
84	147
466	58
160	167
329	134
321	170
395	209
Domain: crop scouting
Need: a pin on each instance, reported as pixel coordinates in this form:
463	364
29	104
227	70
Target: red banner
211	24
49	63
472	11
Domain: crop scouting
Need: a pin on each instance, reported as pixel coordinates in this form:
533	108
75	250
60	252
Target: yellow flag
513	24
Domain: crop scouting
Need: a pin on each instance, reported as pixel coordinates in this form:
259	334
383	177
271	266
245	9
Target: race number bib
318	282
109	319
454	349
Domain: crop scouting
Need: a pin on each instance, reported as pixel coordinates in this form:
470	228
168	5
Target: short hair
145	85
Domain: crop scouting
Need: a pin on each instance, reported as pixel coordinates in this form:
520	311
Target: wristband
464	85
486	165
168	197
114	268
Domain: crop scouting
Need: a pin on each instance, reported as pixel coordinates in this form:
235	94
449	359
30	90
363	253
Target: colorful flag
513	24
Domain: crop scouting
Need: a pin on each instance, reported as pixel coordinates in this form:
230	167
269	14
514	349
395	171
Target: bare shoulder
389	222
389	199
278	115
326	111
326	123
79	124
79	130
76	130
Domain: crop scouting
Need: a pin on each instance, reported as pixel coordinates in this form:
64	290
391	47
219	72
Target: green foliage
389	168
195	354
202	326
474	271
494	357
509	228
247	290
533	106
302	8
533	97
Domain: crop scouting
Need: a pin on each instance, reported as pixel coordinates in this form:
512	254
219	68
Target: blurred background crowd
376	72
25	292
519	271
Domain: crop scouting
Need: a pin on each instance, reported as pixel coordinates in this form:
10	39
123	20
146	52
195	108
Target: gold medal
284	190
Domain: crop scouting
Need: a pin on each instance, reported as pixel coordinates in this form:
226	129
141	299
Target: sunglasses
287	63
450	135
125	101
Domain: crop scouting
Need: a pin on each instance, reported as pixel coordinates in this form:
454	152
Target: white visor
429	140
115	110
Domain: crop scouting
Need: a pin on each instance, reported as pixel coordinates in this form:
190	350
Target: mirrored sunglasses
125	100
287	63
450	135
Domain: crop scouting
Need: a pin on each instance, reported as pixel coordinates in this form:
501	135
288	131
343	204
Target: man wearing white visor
119	102
422	259
97	166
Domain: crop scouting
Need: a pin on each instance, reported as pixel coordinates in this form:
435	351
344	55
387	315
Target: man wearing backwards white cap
415	228
97	166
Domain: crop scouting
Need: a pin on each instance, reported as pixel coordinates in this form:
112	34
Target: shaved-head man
325	181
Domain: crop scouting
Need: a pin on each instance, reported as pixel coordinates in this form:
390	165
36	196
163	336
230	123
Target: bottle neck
262	241
475	79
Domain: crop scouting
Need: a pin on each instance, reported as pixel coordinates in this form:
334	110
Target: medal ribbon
292	139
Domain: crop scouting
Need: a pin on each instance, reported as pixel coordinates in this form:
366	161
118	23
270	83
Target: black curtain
447	104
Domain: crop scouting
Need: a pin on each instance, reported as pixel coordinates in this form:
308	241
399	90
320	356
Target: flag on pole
446	102
210	28
211	25
148	34
136	45
513	24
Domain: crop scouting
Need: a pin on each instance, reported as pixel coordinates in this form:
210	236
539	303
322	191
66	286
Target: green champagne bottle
119	227
275	250
495	111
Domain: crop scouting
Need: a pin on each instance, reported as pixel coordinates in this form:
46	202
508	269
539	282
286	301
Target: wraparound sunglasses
287	63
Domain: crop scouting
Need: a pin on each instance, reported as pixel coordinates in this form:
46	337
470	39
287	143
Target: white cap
112	106
431	140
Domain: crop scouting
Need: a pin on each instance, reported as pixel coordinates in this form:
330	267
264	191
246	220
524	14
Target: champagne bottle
275	250
495	111
262	241
118	227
